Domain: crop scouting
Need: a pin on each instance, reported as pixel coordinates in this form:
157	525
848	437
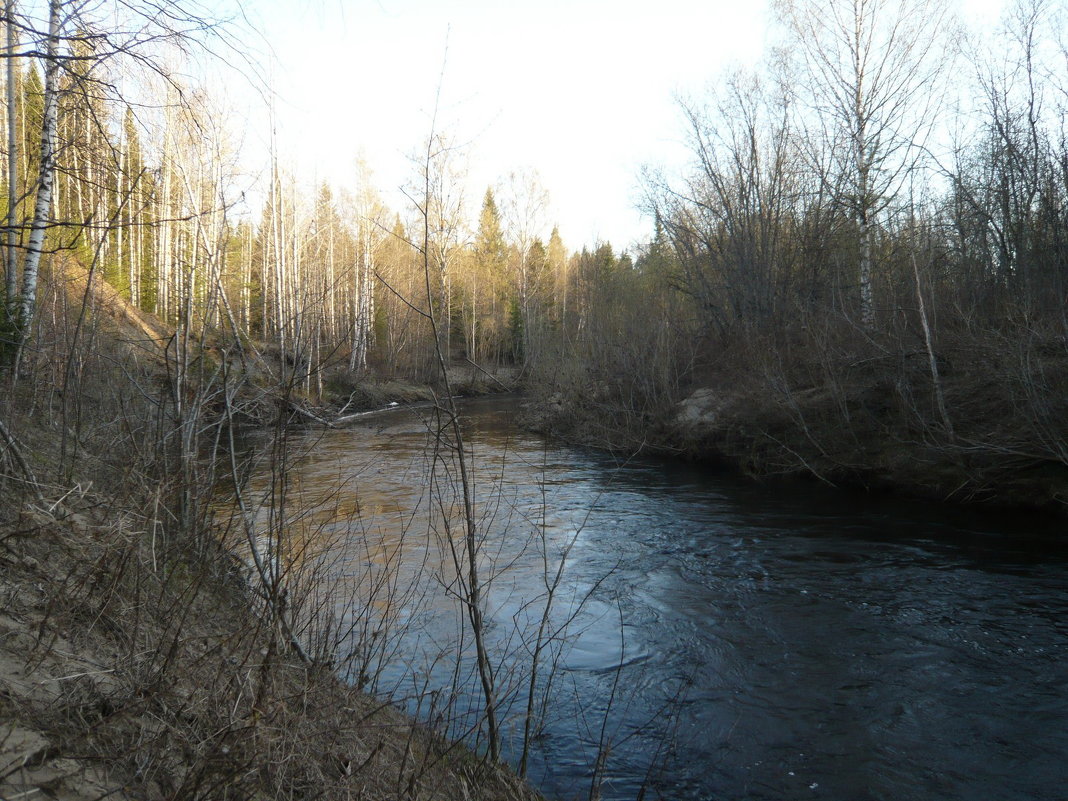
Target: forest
860	279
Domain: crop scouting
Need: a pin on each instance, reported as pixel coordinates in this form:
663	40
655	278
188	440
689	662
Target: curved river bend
715	639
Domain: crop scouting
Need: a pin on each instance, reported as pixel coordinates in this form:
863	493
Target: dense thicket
867	261
765	231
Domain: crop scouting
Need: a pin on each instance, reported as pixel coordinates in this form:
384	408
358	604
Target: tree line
140	178
881	178
875	156
883	191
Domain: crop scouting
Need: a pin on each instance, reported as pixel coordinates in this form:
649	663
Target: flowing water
710	638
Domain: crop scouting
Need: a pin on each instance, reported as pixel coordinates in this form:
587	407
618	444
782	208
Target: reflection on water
718	640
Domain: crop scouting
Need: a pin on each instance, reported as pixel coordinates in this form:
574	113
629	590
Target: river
713	638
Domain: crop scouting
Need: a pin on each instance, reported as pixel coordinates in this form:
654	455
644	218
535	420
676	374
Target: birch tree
524	210
439	204
370	232
87	51
558	265
871	69
46	174
11	238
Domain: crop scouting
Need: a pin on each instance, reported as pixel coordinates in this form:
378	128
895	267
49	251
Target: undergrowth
139	655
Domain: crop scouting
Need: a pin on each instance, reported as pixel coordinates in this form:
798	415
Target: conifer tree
485	300
557	265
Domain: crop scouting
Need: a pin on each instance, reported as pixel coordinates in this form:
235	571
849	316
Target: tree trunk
45	178
11	261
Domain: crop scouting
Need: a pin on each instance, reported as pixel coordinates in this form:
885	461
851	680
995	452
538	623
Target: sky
582	91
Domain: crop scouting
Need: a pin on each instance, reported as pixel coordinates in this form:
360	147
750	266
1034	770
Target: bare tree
11	260
438	202
524	205
872	69
46	173
729	221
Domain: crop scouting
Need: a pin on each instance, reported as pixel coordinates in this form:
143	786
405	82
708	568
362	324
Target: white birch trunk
363	309
367	298
46	174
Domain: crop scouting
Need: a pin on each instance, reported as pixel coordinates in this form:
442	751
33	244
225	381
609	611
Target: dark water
723	640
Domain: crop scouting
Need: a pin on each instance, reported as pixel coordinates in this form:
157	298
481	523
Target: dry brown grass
134	667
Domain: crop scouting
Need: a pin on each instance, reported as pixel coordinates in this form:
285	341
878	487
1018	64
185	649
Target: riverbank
335	395
692	617
138	658
990	426
134	664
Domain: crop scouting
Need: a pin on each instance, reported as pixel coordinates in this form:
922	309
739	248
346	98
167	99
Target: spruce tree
487	318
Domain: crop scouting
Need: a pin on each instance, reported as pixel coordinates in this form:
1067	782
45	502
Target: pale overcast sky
580	90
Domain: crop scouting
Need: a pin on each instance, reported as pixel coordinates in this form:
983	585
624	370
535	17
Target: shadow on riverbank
991	430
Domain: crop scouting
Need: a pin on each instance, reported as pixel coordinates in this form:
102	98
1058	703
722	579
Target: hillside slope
136	660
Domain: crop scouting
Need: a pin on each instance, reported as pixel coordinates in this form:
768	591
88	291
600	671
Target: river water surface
712	638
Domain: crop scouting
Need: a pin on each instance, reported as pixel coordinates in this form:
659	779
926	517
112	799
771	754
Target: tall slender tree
46	174
11	236
871	75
